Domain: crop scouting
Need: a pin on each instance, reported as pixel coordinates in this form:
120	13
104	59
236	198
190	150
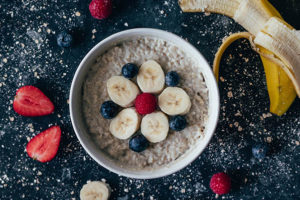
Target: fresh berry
145	103
138	143
100	9
178	123
130	70
109	109
43	147
172	78
64	39
220	183
31	102
259	151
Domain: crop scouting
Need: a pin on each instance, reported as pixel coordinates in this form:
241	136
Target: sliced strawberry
43	147
31	102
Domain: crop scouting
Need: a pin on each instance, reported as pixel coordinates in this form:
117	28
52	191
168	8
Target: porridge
170	58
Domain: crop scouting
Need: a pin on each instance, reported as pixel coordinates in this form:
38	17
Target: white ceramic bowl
76	107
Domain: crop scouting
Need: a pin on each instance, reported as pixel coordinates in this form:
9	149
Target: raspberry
100	9
145	103
220	183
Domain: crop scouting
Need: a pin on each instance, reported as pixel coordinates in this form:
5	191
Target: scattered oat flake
77	14
5	60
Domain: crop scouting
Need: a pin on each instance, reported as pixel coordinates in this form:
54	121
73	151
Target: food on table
155	126
125	124
277	42
151	77
138	143
109	109
158	56
220	183
100	9
260	150
145	103
130	70
178	123
44	146
172	79
122	91
95	190
31	102
174	101
64	39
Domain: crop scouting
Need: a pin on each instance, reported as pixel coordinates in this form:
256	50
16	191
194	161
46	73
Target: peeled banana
95	190
125	124
151	77
122	91
174	101
155	126
277	42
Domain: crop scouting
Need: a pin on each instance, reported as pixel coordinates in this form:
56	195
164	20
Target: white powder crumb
151	198
125	24
39	173
229	94
162	12
103	180
77	14
72	192
93	37
240	128
126	190
269	139
182	190
94	31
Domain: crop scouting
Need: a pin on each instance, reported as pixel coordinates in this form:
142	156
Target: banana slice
174	101
122	91
151	77
155	126
95	190
125	124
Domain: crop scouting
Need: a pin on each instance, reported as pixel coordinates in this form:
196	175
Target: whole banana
277	42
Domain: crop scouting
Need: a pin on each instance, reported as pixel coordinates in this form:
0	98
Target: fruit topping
155	126
145	103
138	143
130	70
178	123
125	124
109	109
172	78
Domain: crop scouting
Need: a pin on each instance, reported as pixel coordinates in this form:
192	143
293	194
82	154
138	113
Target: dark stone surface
29	55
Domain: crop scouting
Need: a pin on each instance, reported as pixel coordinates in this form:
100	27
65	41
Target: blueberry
109	109
138	143
178	123
64	39
172	78
130	70
259	151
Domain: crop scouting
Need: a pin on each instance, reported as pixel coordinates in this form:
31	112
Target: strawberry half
43	147
31	102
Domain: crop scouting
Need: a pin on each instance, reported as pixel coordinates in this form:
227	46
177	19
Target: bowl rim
215	114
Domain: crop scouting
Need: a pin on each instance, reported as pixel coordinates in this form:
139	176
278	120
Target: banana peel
280	88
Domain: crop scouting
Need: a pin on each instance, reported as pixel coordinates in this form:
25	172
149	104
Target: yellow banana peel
280	87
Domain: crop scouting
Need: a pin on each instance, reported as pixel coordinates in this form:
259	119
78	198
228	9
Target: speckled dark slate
29	55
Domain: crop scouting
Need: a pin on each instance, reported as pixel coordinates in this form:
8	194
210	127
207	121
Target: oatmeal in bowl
144	103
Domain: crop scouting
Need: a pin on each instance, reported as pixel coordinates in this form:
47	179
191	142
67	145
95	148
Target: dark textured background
29	55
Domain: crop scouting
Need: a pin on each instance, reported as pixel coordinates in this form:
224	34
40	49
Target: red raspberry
220	183
145	103
100	9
